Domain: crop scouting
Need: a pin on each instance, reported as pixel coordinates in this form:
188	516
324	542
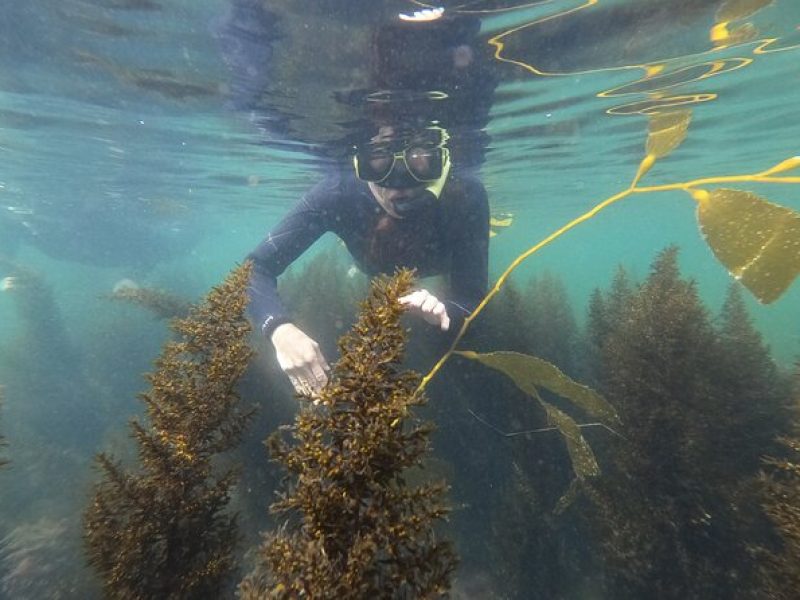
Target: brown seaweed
161	530
353	527
781	501
672	513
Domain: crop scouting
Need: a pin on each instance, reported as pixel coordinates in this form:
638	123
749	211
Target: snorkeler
401	205
410	196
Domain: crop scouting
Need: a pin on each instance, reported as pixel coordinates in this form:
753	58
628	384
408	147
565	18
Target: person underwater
400	205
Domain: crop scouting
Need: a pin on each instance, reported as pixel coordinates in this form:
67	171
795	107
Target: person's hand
424	304
300	358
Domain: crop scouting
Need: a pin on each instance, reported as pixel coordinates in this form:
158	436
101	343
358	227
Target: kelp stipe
161	530
353	526
756	240
530	374
781	501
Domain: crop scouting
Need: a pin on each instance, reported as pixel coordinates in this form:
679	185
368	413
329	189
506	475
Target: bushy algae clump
352	526
673	514
161	530
781	501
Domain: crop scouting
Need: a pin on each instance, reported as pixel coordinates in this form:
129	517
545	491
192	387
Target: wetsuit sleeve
298	230
469	271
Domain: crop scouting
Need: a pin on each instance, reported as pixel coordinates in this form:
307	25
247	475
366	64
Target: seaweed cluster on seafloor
43	329
159	302
43	361
781	501
699	404
353	527
162	530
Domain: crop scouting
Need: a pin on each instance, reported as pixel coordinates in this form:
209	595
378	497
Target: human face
393	162
420	165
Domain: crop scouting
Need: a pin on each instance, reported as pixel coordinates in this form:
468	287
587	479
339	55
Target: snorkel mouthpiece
435	187
406	206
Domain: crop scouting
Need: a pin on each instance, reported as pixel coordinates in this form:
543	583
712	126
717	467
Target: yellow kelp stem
766	176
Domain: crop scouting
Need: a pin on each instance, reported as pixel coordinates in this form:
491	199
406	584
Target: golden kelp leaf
583	461
734	10
501	220
667	131
723	35
756	240
530	372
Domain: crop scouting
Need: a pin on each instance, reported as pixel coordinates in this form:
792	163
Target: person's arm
298	230
469	271
298	355
468	236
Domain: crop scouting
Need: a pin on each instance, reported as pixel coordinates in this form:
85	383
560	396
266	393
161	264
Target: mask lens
381	163
424	163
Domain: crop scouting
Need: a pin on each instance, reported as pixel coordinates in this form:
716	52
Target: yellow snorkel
436	187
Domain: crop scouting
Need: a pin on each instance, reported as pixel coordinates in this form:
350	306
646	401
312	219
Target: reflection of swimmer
399	207
428	65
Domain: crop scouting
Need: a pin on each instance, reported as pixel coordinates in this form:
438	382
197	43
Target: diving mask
404	163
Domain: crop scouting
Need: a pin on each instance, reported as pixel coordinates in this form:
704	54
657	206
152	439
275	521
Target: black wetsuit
448	236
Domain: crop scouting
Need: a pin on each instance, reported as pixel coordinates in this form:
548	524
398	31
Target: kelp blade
583	461
667	132
756	240
531	372
528	372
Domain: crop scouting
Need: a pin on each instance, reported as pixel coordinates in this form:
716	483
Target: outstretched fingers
302	360
428	306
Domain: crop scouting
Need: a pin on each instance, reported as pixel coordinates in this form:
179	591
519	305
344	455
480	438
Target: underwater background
149	145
